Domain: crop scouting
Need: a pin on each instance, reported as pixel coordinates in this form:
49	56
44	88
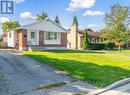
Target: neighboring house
5	38
3	41
46	34
75	37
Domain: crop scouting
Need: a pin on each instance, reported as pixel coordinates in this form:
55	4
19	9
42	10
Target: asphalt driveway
20	75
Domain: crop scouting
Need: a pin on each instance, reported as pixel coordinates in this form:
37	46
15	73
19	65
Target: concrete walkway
20	75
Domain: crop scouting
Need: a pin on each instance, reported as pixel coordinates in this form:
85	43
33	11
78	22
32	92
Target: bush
110	46
85	41
124	46
96	46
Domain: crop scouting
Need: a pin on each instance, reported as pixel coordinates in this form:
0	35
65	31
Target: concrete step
36	48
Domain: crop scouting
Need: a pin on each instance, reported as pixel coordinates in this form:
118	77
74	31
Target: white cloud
93	13
27	16
92	25
80	4
19	1
3	19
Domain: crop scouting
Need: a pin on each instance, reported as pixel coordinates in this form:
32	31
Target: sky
90	13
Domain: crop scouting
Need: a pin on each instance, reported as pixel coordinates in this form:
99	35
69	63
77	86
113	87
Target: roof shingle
90	32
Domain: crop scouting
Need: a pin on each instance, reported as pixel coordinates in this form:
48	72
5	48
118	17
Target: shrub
110	46
124	46
96	46
85	41
92	46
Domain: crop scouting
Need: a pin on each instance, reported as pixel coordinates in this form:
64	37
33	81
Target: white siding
11	40
46	25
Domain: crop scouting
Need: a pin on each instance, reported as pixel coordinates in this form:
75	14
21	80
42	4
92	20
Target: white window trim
57	42
52	38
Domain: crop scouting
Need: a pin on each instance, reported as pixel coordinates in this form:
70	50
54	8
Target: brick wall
41	38
64	39
22	39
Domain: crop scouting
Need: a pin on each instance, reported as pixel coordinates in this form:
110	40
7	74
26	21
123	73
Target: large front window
51	36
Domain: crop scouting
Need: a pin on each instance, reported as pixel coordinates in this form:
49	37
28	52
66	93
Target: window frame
51	36
9	35
32	36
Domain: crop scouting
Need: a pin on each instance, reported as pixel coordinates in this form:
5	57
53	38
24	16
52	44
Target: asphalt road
20	75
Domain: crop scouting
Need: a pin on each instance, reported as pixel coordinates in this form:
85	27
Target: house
46	34
75	37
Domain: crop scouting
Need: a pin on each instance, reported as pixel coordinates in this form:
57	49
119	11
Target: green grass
126	51
117	51
97	68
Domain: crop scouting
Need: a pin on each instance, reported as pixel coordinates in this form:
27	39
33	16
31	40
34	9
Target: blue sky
90	13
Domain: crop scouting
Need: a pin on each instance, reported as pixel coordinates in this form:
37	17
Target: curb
110	87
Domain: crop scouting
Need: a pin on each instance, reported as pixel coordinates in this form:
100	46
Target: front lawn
97	68
124	52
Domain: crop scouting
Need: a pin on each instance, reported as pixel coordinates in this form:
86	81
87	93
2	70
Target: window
9	35
51	36
94	40
32	34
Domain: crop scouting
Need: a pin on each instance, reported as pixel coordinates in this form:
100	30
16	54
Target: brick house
46	34
75	37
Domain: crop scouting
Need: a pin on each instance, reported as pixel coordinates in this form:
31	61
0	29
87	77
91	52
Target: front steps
39	48
35	48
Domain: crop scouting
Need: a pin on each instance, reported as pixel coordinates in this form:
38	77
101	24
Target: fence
3	45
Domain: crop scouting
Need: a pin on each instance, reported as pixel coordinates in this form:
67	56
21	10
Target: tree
41	16
10	25
75	21
57	20
115	29
85	41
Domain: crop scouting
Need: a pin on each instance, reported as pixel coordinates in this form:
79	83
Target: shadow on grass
97	75
75	51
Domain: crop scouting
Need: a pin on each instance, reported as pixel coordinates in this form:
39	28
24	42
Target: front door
32	38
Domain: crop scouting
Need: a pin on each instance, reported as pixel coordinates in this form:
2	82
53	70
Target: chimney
72	37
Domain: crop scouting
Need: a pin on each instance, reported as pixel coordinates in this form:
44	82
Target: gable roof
90	32
45	25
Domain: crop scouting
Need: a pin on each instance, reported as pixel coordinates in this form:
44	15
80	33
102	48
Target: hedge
110	46
96	46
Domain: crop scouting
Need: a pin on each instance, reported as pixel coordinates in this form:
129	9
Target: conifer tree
57	20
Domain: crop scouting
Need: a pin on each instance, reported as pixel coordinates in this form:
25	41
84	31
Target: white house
46	34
